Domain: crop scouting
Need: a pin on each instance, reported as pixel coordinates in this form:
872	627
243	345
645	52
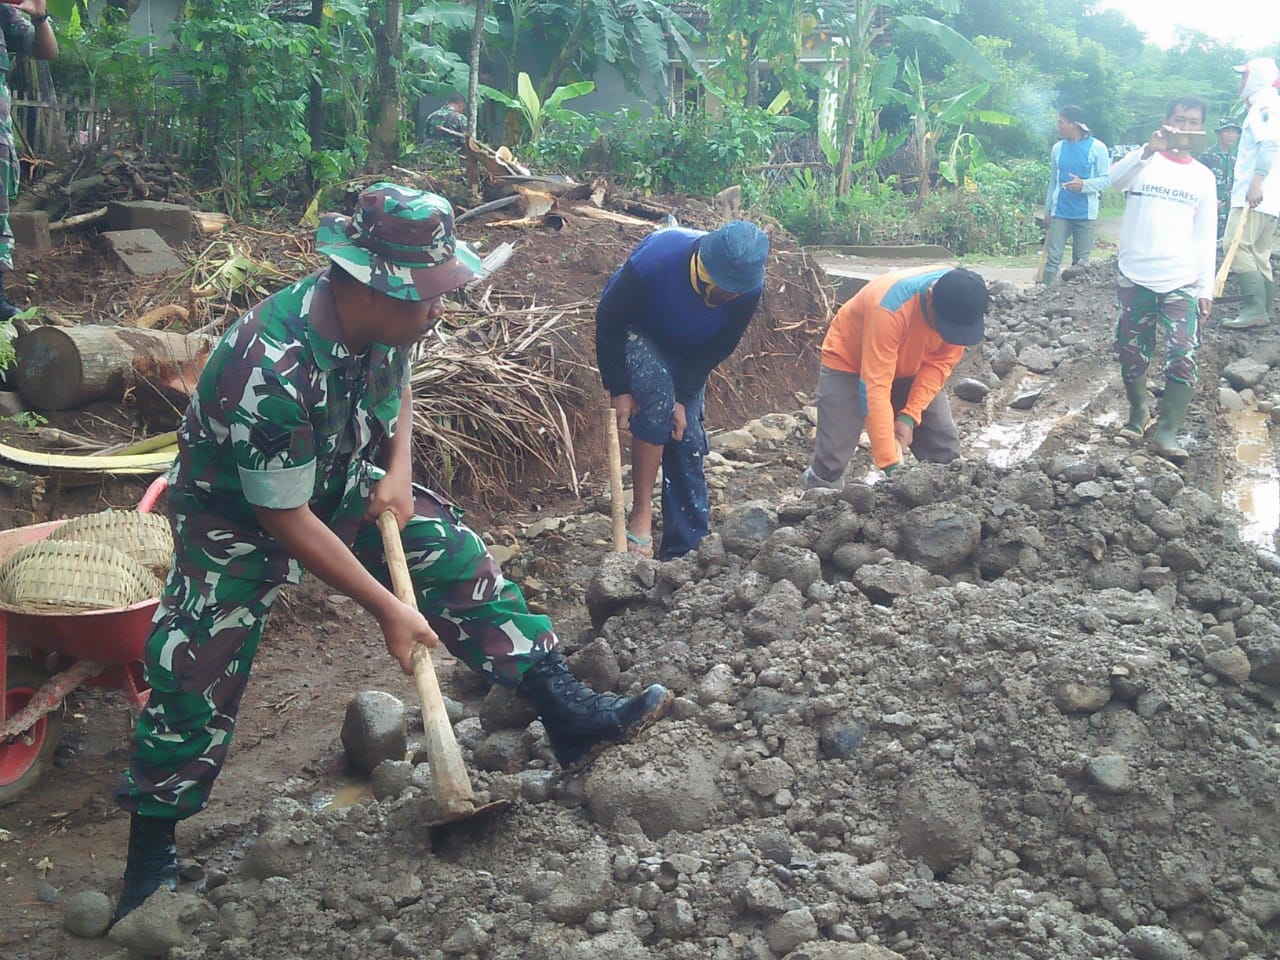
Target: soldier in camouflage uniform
32	35
447	124
1221	159
297	439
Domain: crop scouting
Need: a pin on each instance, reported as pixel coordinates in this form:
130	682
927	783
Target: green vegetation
939	115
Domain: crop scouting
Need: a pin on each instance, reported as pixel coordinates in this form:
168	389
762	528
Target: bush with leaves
693	152
807	206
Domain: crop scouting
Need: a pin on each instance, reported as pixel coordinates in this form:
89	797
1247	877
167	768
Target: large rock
779	616
787	562
883	582
164	922
1156	943
941	820
614	586
829	950
373	730
279	852
940	537
1246	372
664	782
749	526
88	914
585	887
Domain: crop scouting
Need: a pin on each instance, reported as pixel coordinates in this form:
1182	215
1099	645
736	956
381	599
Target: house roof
697	15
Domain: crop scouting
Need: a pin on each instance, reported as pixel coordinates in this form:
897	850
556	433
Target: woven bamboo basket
144	536
69	576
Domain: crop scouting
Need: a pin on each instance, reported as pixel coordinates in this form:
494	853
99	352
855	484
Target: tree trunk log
62	367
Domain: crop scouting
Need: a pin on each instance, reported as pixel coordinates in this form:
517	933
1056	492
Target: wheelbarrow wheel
24	759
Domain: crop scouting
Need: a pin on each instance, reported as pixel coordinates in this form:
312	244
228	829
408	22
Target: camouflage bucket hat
400	242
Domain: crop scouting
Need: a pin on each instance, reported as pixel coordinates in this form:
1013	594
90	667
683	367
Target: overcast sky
1249	24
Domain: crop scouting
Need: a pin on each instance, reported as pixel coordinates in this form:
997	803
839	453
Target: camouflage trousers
206	632
8	193
1142	313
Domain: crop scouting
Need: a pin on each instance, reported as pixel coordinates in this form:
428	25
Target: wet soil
1049	728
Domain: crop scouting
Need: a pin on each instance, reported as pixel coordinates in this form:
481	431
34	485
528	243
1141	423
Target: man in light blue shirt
1079	165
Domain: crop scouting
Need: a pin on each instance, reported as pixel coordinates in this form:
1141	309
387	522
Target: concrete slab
142	252
173	221
31	230
851	274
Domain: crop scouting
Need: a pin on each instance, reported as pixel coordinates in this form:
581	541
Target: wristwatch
39	18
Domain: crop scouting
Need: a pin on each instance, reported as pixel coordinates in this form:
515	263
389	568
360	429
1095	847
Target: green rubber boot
1253	309
1173	413
1269	295
1139	411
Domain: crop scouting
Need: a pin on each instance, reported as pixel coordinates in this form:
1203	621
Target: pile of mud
1007	707
965	712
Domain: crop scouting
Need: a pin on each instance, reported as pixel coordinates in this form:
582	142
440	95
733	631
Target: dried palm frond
490	401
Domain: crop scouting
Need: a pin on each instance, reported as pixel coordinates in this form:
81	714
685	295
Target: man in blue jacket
676	309
1079	165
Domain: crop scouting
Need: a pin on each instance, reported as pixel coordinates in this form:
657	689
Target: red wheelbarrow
44	656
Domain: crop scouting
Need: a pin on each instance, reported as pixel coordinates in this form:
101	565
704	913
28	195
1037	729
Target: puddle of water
1255	491
1004	444
347	795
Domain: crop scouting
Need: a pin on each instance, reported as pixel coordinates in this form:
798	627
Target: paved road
856	271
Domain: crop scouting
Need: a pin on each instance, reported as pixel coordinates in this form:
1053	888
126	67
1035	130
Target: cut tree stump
62	367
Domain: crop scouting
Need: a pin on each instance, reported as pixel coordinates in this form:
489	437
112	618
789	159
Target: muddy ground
1021	705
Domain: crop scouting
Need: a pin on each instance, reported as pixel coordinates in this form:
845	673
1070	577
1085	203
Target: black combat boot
152	863
580	722
7	310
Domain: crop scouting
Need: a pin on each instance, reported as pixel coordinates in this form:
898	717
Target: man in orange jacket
885	359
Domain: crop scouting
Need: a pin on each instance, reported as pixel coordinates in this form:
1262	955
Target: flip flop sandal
640	545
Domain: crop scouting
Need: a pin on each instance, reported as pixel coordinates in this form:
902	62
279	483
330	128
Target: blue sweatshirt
1088	160
652	295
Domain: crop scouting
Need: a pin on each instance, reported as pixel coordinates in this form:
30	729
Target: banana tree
931	120
634	36
535	112
866	27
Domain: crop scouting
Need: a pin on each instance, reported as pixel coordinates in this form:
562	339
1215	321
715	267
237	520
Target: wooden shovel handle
449	778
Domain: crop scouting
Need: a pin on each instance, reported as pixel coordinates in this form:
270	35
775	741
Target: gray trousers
842	414
1081	234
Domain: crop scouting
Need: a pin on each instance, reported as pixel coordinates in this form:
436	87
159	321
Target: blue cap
734	256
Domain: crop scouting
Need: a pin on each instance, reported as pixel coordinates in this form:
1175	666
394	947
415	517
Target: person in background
1078	165
1167	261
885	359
1221	161
449	122
298	437
31	34
673	312
1255	189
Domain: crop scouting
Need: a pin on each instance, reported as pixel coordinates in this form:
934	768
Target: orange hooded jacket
881	335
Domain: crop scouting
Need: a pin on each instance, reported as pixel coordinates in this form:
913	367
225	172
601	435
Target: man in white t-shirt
1167	254
1256	188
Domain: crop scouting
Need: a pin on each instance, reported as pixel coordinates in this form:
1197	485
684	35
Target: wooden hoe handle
449	780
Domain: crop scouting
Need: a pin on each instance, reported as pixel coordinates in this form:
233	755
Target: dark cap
1228	125
1073	114
734	256
959	305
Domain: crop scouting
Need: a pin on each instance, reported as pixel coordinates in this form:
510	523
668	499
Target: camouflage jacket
17	35
1223	165
283	415
447	118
